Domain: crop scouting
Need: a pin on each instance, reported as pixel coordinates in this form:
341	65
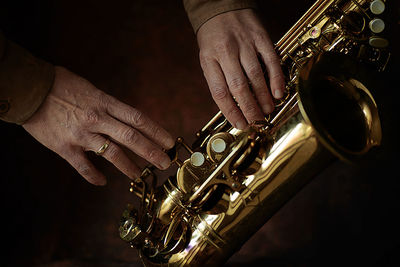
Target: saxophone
229	182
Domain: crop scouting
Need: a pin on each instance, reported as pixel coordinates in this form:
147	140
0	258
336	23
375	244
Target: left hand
77	117
230	46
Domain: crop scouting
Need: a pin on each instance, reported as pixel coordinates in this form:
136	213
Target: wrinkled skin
230	47
77	117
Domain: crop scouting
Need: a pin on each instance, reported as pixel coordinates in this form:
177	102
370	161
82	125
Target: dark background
145	53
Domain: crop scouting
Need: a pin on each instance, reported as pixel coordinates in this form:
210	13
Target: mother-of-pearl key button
377	25
377	7
378	42
197	159
218	145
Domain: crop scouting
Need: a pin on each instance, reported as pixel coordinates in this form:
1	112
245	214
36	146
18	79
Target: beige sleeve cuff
199	11
24	82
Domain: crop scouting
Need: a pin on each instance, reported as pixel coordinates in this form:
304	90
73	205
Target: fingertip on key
241	124
268	108
135	175
164	164
170	143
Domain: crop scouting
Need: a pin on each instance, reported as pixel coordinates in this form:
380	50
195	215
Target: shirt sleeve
199	11
25	81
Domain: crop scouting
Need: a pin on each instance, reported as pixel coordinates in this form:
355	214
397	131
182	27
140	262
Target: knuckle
79	134
222	47
137	118
205	58
272	57
255	73
130	136
92	116
233	114
237	85
104	100
113	153
260	37
275	60
219	93
278	76
251	111
153	155
156	132
84	169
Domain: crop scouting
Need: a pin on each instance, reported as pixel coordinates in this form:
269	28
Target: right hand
231	47
77	117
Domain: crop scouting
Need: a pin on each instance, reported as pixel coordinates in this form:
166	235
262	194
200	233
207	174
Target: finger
272	63
238	86
114	154
220	93
255	74
133	140
140	121
77	158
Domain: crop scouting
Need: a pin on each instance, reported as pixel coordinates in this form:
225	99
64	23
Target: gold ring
103	148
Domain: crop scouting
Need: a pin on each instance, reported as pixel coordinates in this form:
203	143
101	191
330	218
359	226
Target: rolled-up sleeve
199	11
25	81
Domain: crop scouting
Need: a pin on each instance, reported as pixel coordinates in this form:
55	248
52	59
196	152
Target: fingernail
241	124
267	108
278	94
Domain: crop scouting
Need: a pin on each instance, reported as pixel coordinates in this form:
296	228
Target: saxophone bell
336	101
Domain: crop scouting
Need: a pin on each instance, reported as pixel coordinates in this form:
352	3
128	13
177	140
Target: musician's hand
230	45
77	117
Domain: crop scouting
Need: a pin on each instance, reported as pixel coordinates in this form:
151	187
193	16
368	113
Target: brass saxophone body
232	181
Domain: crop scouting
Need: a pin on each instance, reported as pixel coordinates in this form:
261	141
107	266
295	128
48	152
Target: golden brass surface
234	180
